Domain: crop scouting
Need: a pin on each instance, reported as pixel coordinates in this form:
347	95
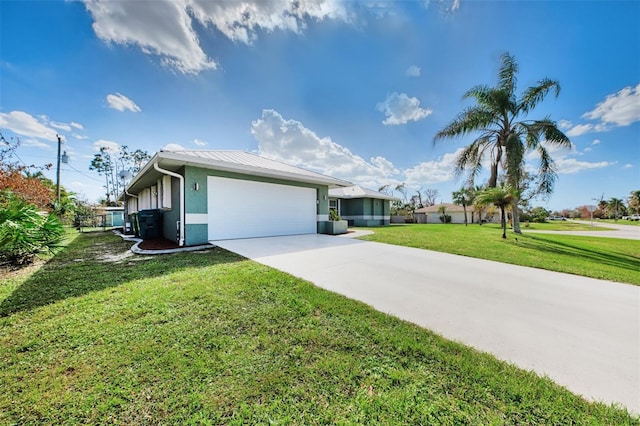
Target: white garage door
245	209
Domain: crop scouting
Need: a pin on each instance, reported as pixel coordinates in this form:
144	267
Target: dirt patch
9	272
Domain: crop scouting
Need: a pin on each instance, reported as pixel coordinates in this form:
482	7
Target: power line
83	174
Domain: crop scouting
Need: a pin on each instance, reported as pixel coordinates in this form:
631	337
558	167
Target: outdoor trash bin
150	223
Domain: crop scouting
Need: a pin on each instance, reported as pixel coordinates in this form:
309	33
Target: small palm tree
501	196
463	197
505	137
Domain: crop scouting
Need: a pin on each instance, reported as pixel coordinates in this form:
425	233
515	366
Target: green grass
618	222
560	226
605	258
96	337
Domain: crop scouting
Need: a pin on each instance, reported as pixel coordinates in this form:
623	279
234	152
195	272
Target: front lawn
605	258
99	336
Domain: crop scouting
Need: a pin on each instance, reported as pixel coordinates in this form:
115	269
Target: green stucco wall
196	234
365	211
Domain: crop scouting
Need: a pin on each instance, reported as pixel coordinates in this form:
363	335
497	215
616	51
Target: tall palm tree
463	197
500	196
505	136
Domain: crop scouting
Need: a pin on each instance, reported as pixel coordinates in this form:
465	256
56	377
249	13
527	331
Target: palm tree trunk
464	207
504	223
493	177
516	218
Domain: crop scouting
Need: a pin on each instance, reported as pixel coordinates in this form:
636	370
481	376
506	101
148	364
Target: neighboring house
360	206
432	214
217	195
113	216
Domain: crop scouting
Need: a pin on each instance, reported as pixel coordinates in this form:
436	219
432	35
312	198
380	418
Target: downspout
182	213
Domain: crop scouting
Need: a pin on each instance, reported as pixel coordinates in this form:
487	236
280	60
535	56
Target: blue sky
352	89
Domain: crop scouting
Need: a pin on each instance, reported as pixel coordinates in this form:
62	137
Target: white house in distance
431	214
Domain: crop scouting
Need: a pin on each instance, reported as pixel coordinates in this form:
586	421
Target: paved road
628	232
581	332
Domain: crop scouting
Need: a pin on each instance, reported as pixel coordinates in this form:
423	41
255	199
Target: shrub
333	215
24	231
445	218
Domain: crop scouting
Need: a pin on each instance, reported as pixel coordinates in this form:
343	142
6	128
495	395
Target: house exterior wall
196	215
171	216
196	223
491	215
365	211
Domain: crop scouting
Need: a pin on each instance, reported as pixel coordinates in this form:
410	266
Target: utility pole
58	169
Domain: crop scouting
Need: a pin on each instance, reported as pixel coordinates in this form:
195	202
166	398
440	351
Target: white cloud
60	126
291	142
413	71
167	28
24	124
595	142
621	108
568	166
565	162
35	143
579	129
173	147
240	21
199	142
437	171
110	146
122	103
627	166
400	109
76	125
448	6
565	124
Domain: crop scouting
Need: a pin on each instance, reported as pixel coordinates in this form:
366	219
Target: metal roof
356	191
231	161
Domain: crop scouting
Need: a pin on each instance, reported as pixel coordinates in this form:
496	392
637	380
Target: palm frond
470	120
536	94
547	171
507	79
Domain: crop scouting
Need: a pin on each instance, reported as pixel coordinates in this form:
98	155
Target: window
334	204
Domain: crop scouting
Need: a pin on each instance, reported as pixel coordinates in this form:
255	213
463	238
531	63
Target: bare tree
429	196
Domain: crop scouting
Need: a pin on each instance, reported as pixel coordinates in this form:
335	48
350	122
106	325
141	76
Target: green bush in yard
25	231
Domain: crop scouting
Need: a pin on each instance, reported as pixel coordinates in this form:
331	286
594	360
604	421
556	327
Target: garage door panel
245	209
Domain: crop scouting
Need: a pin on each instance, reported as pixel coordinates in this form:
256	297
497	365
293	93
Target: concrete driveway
581	332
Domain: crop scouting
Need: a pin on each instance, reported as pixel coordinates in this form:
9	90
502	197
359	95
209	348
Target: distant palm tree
633	201
616	205
501	197
504	135
463	197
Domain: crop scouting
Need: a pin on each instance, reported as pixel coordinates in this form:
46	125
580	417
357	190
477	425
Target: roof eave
167	156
